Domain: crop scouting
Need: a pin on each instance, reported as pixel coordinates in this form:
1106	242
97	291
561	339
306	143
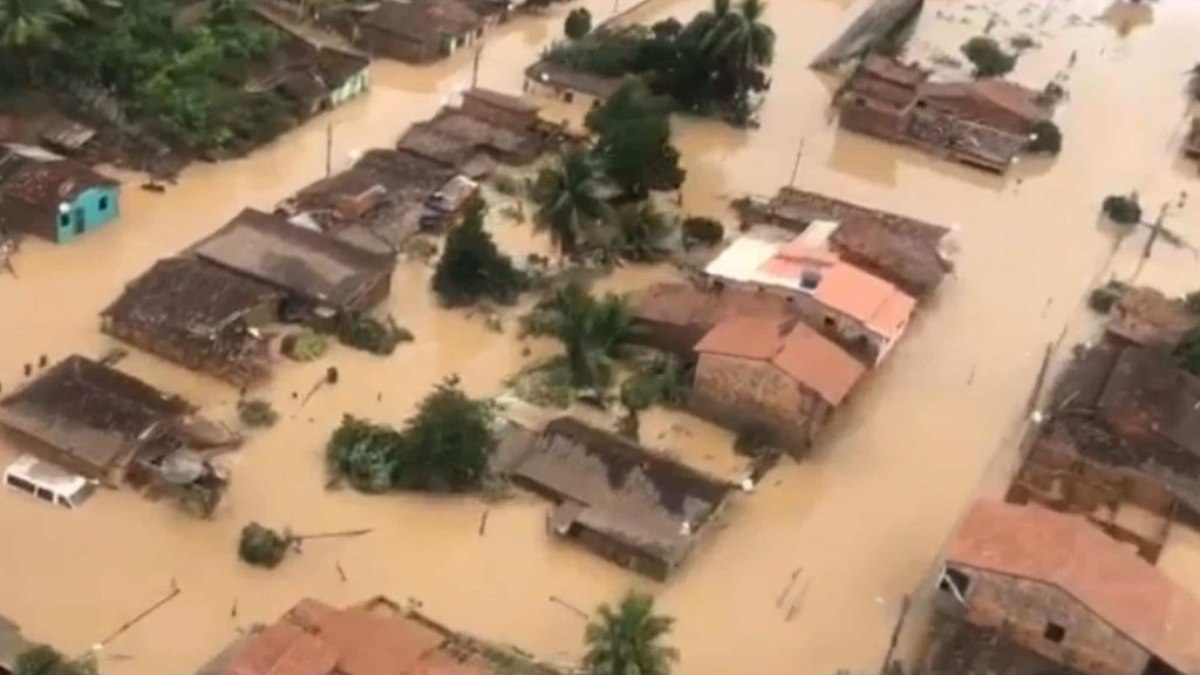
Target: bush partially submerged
988	58
257	412
578	23
1122	209
661	381
46	660
305	346
263	547
702	231
472	267
1047	138
371	335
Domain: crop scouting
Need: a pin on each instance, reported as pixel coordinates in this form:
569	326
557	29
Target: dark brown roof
997	93
424	20
309	264
45	183
1145	316
95	413
626	492
683	304
1100	573
374	638
557	75
499	100
1149	396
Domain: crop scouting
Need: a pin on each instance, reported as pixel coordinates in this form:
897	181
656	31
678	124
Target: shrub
262	546
305	346
578	23
703	231
257	413
1102	299
46	660
371	335
472	266
988	58
1047	138
661	381
1122	209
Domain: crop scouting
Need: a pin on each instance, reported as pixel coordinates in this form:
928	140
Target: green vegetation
989	59
661	381
702	231
633	141
443	448
1188	352
263	547
626	640
578	23
45	660
371	335
571	201
1047	138
187	84
1122	209
712	65
1192	300
305	345
257	412
642	233
594	333
472	267
1102	299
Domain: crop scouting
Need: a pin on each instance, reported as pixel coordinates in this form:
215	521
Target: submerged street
862	520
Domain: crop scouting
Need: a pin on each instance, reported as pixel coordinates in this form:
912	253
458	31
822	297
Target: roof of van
47	475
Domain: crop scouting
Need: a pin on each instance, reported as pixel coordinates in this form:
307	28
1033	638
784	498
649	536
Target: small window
45	495
21	484
64	220
104	203
569	97
1054	632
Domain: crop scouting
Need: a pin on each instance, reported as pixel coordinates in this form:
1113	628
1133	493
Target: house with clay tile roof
778	377
51	197
1058	585
866	314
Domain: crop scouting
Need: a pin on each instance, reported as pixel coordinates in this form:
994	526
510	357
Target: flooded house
983	123
1120	445
502	110
313	77
1144	316
416	31
377	204
54	198
319	276
629	504
1058	586
864	313
567	84
376	637
910	253
109	427
200	316
781	378
475	141
673	317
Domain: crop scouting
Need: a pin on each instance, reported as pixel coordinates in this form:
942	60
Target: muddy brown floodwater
863	519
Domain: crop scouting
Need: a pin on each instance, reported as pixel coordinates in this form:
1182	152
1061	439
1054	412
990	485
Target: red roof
803	354
370	639
1100	573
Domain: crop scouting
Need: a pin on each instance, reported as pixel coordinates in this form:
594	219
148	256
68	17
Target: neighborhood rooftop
1144	316
89	412
1037	544
565	77
309	264
677	315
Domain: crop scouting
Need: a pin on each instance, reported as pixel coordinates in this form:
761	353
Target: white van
48	482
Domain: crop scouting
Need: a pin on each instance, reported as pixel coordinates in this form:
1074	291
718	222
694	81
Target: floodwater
859	524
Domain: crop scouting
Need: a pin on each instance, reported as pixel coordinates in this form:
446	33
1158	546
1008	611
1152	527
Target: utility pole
475	67
328	149
1155	229
796	166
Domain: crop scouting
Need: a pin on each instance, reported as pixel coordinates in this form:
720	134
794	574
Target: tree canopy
626	639
989	59
444	447
571	200
593	332
472	267
578	23
634	140
45	660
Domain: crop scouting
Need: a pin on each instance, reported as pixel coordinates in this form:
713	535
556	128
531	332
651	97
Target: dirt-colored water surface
863	519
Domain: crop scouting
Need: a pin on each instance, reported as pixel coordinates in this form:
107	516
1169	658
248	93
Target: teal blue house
53	198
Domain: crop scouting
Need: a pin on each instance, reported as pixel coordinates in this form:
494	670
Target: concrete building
53	198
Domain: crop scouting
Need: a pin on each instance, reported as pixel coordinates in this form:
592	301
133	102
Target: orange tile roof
806	356
1100	573
866	298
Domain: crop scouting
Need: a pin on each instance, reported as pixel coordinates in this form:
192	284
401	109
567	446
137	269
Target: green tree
988	58
1122	209
641	233
634	140
593	332
30	28
570	199
472	267
364	454
741	43
1188	352
626	640
45	660
578	23
1047	138
263	547
703	231
446	444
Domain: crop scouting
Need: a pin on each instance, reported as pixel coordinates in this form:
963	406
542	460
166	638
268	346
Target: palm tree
641	233
742	42
570	200
702	24
29	26
624	641
593	332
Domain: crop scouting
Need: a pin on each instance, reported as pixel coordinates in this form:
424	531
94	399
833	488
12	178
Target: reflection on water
862	519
